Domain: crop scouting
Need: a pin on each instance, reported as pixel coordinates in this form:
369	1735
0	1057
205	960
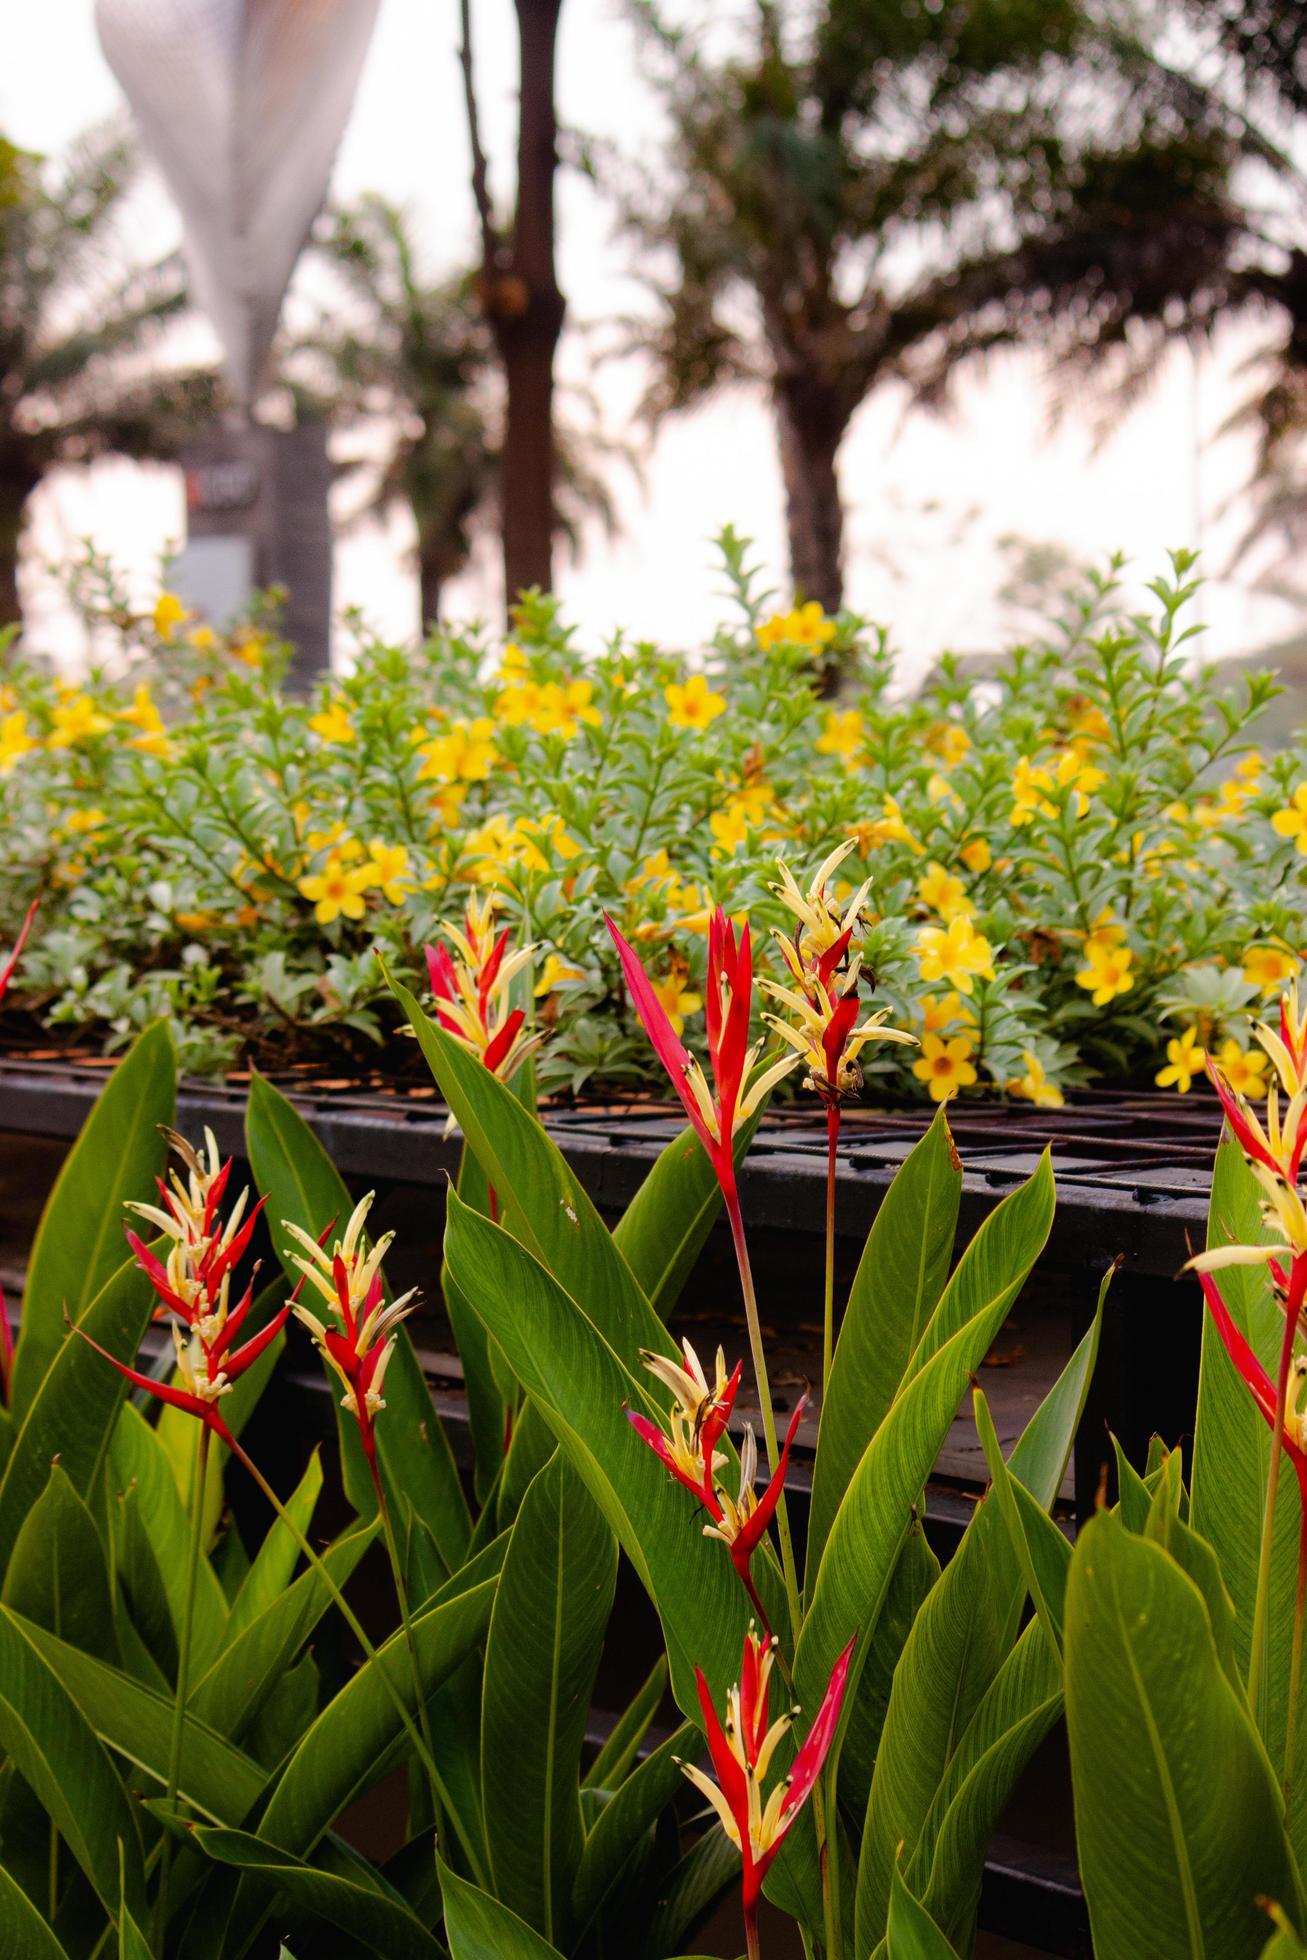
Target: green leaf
616	1758
1043	1554
624	1821
1284	1943
899	1279
23	1930
875	1510
252	1663
373	1914
486	1408
79	1242
52	1746
581	1389
132	1943
666	1225
136	1722
1178	1817
139	1462
960	1638
912	1934
58	1576
550	1213
302	1184
71	1415
279	1554
1195	1556
480	1928
542	1653
1133	1497
915	1575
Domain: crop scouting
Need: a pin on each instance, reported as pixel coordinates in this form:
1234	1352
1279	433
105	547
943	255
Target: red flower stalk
1258	1382
741	1752
714	1114
698	1420
7	971
741	1522
357	1351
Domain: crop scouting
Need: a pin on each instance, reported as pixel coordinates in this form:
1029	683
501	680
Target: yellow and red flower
471	991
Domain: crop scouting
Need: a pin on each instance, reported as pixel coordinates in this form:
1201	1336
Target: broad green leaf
486	1408
253	1661
53	1747
139	1462
581	1388
23	1930
681	1898
899	1279
1178	1817
370	1913
480	1928
666	1225
58	1576
1043	1554
616	1758
279	1554
912	1934
875	1510
1284	1943
1133	1498
542	1652
1195	1556
1231	1455
960	1637
916	1572
176	1429
71	1415
625	1820
136	1722
132	1943
550	1213
79	1242
302	1184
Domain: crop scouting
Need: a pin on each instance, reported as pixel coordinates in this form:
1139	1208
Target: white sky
927	500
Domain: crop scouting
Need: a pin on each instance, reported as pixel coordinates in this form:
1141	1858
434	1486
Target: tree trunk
431	582
528	315
12	505
811	422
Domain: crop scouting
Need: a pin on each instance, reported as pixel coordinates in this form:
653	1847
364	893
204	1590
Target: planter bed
1133	1173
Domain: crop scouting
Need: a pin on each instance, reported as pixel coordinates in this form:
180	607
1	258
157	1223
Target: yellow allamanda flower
518	704
976	854
464	753
337	891
1243	1068
730	829
539	842
1268	967
656	871
945	1066
144	716
552	974
14	739
1292	822
202	638
804	626
890	828
390	864
948	740
332	723
692	704
336	838
843	732
942	891
956	954
1034	1086
79	823
677	999
169	613
562	707
1185	1059
940	1011
1106	972
76	718
248	646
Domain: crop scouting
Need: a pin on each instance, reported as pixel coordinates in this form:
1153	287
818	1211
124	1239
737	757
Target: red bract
741	1753
698	1420
714	1115
7	971
1254	1376
200	1398
742	1521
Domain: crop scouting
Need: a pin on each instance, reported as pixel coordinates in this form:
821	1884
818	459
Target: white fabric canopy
243	104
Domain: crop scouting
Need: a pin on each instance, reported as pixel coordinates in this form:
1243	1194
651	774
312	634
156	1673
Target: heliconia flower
824	1033
470	989
358	1350
697	1421
1288	1048
742	1751
1260	1385
714	1115
825	926
741	1522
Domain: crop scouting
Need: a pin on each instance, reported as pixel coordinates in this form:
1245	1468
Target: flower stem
352	1622
401	1594
195	1507
765	1403
1295	1662
828	1307
1256	1663
752	1949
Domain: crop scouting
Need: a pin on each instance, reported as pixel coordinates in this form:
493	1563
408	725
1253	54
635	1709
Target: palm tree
416	356
75	316
837	184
